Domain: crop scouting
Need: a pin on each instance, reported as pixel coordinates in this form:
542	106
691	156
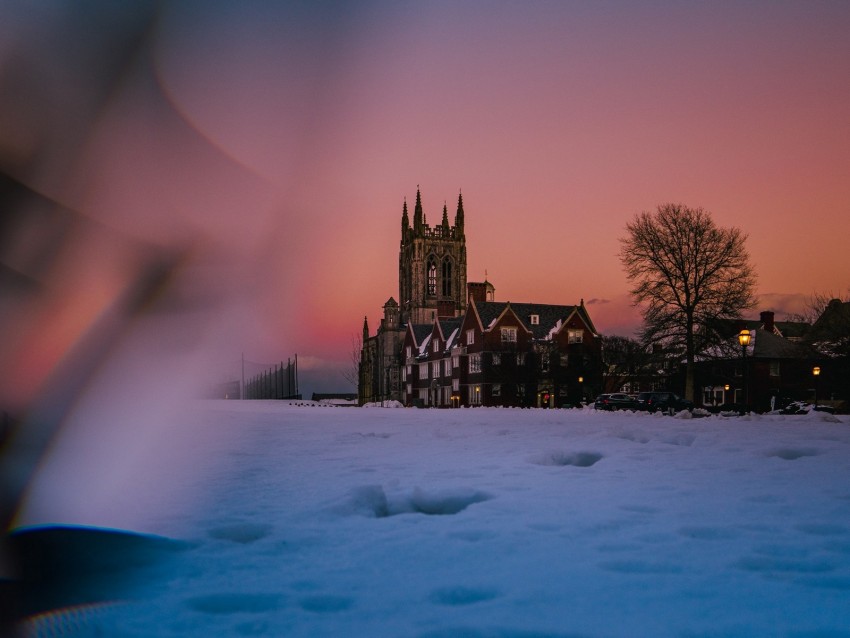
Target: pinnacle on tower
417	213
445	217
405	220
459	214
365	330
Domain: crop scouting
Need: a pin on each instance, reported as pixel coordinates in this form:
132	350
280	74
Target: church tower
431	265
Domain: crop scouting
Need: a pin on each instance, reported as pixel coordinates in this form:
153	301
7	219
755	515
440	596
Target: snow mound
384	404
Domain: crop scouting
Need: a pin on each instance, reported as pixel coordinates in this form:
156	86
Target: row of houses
503	354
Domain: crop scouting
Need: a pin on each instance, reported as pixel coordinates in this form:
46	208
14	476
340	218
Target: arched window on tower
432	276
447	277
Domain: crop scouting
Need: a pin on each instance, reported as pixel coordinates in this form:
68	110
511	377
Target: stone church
447	343
432	283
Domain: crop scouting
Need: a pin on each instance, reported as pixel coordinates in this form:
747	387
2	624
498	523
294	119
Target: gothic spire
405	220
445	217
417	213
365	330
459	214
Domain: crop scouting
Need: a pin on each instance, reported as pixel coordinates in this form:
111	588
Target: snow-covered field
310	521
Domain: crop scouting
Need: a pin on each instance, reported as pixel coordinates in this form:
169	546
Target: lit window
508	335
575	336
470	336
535	320
436	345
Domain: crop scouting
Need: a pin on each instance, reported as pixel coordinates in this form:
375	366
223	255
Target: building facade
449	343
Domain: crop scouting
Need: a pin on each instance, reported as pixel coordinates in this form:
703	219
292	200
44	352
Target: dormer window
436	345
535	320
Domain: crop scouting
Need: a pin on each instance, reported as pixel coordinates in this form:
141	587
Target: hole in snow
243	533
790	454
371	500
233	603
461	595
576	459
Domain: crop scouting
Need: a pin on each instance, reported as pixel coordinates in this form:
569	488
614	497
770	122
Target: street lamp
816	374
744	339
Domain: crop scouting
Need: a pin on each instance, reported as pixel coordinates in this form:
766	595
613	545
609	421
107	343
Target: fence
278	382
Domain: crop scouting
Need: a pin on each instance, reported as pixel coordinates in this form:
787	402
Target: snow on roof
423	347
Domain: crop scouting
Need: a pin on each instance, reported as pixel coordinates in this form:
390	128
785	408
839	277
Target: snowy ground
308	521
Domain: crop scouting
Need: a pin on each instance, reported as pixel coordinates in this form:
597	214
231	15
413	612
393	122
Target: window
423	396
456	361
497	359
535	320
432	276
565	360
470	336
435	369
423	370
475	363
436	345
774	368
408	352
496	390
447	368
447	277
475	395
404	374
575	336
520	359
456	385
508	335
544	362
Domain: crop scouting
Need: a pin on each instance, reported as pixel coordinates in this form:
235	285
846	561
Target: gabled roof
768	345
449	327
551	317
787	329
420	332
834	322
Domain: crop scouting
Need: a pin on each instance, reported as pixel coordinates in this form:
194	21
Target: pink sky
279	144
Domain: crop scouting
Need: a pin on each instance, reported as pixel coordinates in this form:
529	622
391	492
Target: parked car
667	402
614	401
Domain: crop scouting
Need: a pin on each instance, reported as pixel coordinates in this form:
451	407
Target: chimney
767	320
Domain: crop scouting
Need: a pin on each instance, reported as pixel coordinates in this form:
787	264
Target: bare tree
625	360
686	273
351	370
